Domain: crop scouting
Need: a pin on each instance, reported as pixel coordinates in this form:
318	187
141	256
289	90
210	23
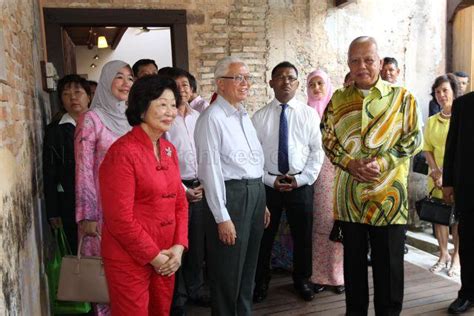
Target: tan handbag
82	279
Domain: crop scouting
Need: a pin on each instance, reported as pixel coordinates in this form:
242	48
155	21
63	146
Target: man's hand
194	195
448	195
227	233
292	182
88	228
56	222
364	170
175	253
283	183
266	217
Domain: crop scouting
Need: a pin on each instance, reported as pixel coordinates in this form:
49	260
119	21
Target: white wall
154	44
315	34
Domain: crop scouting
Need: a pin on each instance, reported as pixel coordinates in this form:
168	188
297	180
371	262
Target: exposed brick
195	18
253	22
218	21
207	76
209	62
254	49
213	50
243	29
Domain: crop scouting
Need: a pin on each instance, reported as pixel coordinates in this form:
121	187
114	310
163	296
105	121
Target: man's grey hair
362	39
222	66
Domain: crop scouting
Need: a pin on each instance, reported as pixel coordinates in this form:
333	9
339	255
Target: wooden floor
425	294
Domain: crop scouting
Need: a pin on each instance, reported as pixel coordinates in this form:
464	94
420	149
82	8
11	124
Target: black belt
294	174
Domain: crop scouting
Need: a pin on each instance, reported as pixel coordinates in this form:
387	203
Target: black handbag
435	210
419	164
336	232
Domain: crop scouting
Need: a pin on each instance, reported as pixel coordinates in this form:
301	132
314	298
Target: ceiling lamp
102	42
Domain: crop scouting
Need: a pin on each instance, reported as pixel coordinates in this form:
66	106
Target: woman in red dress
144	204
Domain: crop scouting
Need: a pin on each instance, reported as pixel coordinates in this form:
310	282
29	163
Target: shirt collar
228	108
166	151
442	119
383	87
141	136
293	103
195	101
66	118
190	110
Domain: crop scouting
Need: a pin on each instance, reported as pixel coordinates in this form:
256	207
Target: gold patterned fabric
383	125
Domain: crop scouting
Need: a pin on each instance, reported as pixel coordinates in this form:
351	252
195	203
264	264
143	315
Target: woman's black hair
63	83
69	80
143	92
453	82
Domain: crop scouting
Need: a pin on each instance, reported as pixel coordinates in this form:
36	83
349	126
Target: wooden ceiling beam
118	37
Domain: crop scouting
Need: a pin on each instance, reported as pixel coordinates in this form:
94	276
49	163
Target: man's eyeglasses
291	79
238	79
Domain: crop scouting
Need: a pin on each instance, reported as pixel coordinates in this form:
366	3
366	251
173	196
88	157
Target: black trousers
466	253
387	244
190	277
231	269
298	204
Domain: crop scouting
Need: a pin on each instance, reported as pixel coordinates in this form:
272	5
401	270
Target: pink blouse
91	142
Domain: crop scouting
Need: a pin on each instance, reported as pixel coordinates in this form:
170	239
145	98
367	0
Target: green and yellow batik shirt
384	125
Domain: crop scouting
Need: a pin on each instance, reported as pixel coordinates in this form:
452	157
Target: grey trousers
232	269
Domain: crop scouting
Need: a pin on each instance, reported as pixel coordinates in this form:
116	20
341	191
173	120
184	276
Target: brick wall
21	122
215	29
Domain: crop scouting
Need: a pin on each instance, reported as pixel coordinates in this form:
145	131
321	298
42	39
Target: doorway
57	20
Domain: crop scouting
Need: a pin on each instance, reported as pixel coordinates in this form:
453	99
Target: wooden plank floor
425	294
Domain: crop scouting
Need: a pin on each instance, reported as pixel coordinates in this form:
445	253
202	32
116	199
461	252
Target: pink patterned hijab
319	104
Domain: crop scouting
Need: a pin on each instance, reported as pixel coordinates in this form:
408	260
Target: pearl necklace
445	115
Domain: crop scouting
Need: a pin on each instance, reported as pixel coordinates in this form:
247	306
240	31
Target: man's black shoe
460	305
318	288
305	291
405	249
260	293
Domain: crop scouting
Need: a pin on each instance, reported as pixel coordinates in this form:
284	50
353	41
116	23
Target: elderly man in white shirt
291	140
230	167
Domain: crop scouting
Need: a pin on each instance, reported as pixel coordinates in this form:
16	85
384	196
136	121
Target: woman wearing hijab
327	255
96	130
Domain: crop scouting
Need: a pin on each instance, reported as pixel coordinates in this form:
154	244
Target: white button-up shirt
227	149
181	135
305	153
199	104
